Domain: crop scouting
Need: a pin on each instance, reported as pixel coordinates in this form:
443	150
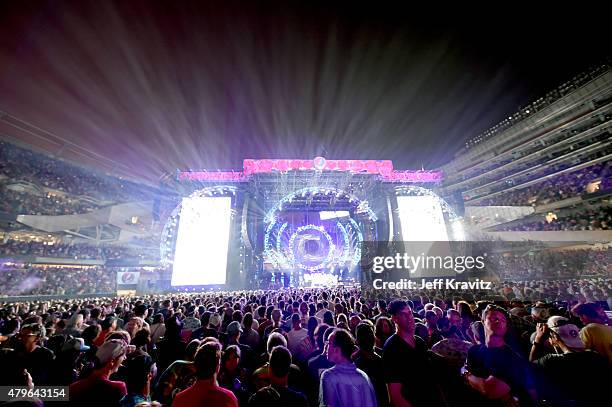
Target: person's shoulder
226	397
548	359
328	373
391	342
363	374
45	352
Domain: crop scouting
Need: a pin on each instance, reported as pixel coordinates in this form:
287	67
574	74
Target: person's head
494	319
588	313
464	309
275	339
191	349
383	330
564	334
365	337
215	321
234	330
111	354
296	321
109	324
401	314
76	321
421	331
31	335
431	317
304	308
341	346
140	310
454	318
382	306
319	335
354	320
247	320
207	360
231	358
122	335
142	338
280	363
140	369
134	325
540	314
91	333
276	316
478	332
158	318
313	323
266	397
328	318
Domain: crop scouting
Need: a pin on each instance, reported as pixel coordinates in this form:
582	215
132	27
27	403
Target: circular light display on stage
316	229
311	248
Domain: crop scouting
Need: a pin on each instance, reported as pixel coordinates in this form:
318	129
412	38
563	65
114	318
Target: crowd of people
82	251
587	219
56	280
19	164
557	188
23	203
538	264
327	347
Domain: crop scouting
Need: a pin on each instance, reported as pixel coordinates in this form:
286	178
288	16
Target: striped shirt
345	385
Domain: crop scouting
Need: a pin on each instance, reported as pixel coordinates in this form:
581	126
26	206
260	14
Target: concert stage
294	223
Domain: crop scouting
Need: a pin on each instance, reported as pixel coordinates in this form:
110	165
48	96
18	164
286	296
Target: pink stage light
384	168
211	176
414	176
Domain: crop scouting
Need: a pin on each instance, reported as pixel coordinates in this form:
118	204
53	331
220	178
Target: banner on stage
128	277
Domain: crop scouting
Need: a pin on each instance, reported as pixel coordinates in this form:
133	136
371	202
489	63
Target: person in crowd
249	335
493	368
366	359
344	384
97	386
74	326
90	334
309	343
297	334
409	387
66	369
279	366
180	375
205	390
158	328
32	355
231	375
383	330
108	325
171	347
234	331
572	369
595	334
140	371
452	348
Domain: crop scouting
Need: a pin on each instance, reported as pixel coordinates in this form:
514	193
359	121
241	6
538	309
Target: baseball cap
111	349
215	319
75	344
569	333
233	328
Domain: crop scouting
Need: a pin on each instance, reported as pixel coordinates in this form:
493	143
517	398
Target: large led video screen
421	219
202	241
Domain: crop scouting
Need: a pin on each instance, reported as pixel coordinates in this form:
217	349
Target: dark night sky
158	85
